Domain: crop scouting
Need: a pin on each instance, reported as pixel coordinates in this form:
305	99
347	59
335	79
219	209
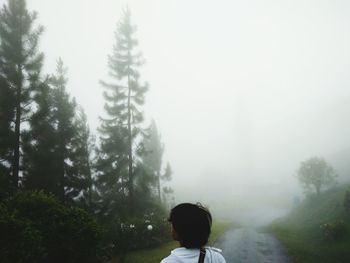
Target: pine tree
167	177
20	65
83	144
72	138
6	137
64	115
120	130
56	154
39	145
152	157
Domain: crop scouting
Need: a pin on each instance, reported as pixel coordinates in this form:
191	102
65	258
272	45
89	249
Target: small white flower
149	227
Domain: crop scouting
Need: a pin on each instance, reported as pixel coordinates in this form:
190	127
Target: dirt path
246	245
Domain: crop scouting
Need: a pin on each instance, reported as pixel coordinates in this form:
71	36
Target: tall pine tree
120	130
39	145
64	116
20	66
152	159
152	156
83	145
56	154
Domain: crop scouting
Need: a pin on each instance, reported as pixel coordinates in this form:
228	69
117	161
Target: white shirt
185	255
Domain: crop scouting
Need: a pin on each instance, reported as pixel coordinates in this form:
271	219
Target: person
191	227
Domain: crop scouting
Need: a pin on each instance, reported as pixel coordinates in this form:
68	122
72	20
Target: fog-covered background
242	91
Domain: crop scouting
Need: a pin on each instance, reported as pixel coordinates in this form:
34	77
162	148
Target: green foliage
56	151
149	230
120	130
19	78
153	163
5	183
153	150
333	231
347	201
83	146
40	229
50	155
40	160
317	230
19	240
316	173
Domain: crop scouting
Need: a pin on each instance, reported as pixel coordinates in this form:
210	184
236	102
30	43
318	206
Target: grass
157	254
301	234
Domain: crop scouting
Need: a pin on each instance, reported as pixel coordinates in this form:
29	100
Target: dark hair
192	223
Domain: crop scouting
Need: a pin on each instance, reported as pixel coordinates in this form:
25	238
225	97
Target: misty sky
242	91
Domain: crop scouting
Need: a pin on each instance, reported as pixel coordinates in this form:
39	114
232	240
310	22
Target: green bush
333	231
35	227
19	241
148	230
347	201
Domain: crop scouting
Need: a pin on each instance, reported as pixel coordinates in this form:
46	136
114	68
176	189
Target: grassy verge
302	236
157	254
305	245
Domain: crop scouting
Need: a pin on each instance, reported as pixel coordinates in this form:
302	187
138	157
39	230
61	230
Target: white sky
242	91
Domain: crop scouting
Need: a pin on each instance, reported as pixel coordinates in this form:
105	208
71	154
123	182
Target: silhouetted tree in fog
71	132
56	155
153	163
120	130
20	66
152	156
317	173
39	145
83	144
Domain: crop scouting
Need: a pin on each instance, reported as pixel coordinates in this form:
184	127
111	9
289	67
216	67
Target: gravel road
246	245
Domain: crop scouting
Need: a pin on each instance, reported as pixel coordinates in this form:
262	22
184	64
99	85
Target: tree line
45	141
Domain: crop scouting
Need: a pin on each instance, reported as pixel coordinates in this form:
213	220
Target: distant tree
166	177
20	66
152	160
316	173
152	157
120	130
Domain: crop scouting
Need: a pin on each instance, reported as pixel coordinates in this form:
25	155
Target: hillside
305	235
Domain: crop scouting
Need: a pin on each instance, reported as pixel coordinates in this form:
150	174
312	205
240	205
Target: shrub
19	241
347	201
40	229
333	231
149	230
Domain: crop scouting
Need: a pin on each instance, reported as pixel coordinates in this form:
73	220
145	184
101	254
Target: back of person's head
192	224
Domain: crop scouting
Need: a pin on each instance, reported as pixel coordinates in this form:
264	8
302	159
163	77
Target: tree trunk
16	152
62	179
159	194
90	186
17	144
130	161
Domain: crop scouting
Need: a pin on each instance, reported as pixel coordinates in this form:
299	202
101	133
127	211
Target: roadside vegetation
68	194
318	229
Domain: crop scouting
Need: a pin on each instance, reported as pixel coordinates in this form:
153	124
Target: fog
242	91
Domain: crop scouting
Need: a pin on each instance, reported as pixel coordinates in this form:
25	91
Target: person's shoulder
169	259
216	254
